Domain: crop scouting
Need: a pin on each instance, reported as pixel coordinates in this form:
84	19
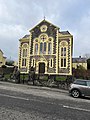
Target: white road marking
76	108
68	107
21	98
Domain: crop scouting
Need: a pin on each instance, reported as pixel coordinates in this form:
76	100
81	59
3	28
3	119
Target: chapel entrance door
41	67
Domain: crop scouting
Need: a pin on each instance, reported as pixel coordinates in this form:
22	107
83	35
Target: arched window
63	54
44	47
24	61
49	48
36	48
24	54
43	43
50	43
63	51
41	47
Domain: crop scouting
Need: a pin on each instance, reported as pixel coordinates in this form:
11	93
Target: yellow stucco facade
2	59
47	49
79	62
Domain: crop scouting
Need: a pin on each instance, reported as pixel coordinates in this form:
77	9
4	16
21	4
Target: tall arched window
41	47
63	51
50	44
24	61
43	43
44	47
35	49
24	54
49	48
63	54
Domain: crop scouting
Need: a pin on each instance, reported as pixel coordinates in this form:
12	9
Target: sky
17	17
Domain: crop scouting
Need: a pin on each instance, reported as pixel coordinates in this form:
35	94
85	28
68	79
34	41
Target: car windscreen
80	82
88	83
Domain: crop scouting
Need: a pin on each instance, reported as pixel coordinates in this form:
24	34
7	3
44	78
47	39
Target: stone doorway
41	67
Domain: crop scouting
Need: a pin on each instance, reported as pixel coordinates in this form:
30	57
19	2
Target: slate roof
26	36
79	60
44	22
64	32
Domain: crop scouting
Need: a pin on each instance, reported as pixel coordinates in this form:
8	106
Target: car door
88	88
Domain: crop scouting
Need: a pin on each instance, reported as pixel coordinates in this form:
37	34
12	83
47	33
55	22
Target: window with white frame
50	43
36	46
51	63
63	62
24	54
43	43
33	62
63	54
24	61
63	51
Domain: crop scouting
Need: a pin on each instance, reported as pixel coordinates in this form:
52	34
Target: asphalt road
22	102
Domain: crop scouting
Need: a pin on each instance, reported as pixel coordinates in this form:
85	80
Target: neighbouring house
15	63
2	59
47	49
80	61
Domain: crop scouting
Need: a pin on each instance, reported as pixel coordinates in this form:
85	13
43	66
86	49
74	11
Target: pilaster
57	52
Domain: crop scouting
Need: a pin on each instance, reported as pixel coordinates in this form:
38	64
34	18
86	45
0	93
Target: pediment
44	23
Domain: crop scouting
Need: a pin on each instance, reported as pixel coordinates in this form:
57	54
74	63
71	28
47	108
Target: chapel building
47	49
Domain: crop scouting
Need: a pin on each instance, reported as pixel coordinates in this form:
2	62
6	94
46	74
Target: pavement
31	87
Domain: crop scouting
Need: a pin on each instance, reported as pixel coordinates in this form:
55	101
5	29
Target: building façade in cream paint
2	59
47	49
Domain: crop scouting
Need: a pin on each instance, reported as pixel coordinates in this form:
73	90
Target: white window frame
50	63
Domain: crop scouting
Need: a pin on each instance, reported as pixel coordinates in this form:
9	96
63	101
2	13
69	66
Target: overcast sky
17	17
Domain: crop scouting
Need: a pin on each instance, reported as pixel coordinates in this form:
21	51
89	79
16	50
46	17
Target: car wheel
75	93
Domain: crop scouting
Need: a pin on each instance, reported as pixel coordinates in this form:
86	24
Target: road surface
22	102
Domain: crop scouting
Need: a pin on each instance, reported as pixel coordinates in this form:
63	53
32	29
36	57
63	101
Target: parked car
80	88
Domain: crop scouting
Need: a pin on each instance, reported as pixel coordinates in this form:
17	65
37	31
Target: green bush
60	78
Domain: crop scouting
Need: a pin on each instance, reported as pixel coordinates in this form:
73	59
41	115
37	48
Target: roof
44	21
4	57
26	36
64	32
79	60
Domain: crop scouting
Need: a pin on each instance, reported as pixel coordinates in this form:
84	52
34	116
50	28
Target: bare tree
87	55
